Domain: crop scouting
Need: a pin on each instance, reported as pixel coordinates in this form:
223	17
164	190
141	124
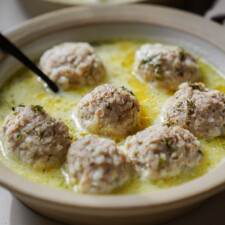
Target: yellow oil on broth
118	58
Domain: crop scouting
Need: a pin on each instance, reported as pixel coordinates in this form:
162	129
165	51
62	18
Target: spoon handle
9	47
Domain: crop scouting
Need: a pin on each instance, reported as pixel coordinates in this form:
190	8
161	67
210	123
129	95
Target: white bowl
37	7
102	23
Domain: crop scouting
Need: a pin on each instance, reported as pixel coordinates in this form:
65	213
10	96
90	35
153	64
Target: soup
118	59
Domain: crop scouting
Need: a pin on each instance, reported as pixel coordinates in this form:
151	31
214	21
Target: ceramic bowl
37	7
103	23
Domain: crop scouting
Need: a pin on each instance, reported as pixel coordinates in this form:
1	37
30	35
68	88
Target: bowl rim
198	189
67	3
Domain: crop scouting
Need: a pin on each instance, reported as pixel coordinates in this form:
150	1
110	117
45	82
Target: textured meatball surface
162	151
198	109
35	138
71	64
165	66
108	110
96	165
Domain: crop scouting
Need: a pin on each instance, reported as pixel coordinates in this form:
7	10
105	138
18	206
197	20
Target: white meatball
162	151
198	109
71	64
165	66
96	165
35	138
108	110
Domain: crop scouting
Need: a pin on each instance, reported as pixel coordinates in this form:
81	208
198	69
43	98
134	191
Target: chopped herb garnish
158	77
187	121
19	134
136	153
181	73
42	135
157	69
145	61
125	89
70	138
190	110
28	131
161	162
37	108
169	123
156	66
200	152
190	104
167	142
182	55
179	107
157	72
35	155
49	157
149	60
14	108
195	86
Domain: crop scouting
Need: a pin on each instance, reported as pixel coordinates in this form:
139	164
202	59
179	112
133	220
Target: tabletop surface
13	212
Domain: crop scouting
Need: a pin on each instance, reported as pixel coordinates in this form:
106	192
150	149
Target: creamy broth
118	58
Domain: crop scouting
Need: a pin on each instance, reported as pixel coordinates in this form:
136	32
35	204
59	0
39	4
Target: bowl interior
102	24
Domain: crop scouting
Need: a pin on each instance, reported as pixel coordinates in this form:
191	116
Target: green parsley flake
169	123
195	86
42	135
125	89
167	142
162	162
19	134
37	108
190	107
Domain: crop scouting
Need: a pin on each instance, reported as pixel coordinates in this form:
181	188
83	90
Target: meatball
198	109
96	165
166	66
162	151
108	110
71	64
35	138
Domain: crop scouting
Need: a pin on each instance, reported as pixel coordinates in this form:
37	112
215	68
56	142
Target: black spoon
9	47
